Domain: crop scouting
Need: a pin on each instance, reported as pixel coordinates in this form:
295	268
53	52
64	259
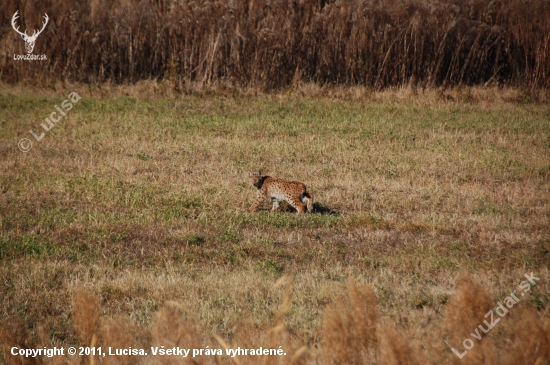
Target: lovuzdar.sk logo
29	40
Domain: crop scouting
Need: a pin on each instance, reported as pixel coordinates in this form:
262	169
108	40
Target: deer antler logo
29	41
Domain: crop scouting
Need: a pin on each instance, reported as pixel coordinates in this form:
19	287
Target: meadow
126	225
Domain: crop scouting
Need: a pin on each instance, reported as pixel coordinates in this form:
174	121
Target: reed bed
274	44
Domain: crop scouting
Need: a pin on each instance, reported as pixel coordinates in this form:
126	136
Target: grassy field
126	226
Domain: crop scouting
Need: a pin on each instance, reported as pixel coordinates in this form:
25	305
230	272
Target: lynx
295	193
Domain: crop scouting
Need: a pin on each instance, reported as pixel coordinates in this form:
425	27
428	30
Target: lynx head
256	180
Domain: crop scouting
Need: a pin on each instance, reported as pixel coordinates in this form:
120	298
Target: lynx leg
307	198
301	208
275	203
256	203
297	204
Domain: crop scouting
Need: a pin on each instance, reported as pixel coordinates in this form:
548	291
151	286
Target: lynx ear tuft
259	172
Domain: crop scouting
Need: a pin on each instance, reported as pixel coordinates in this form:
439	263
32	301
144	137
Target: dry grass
125	224
270	44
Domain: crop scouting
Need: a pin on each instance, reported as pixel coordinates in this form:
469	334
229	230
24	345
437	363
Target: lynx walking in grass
295	193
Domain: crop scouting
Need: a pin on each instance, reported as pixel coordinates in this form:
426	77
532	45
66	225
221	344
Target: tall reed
276	43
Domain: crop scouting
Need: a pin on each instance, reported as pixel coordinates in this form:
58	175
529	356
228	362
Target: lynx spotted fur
295	193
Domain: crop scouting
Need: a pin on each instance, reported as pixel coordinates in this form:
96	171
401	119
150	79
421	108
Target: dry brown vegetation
124	226
353	333
275	44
